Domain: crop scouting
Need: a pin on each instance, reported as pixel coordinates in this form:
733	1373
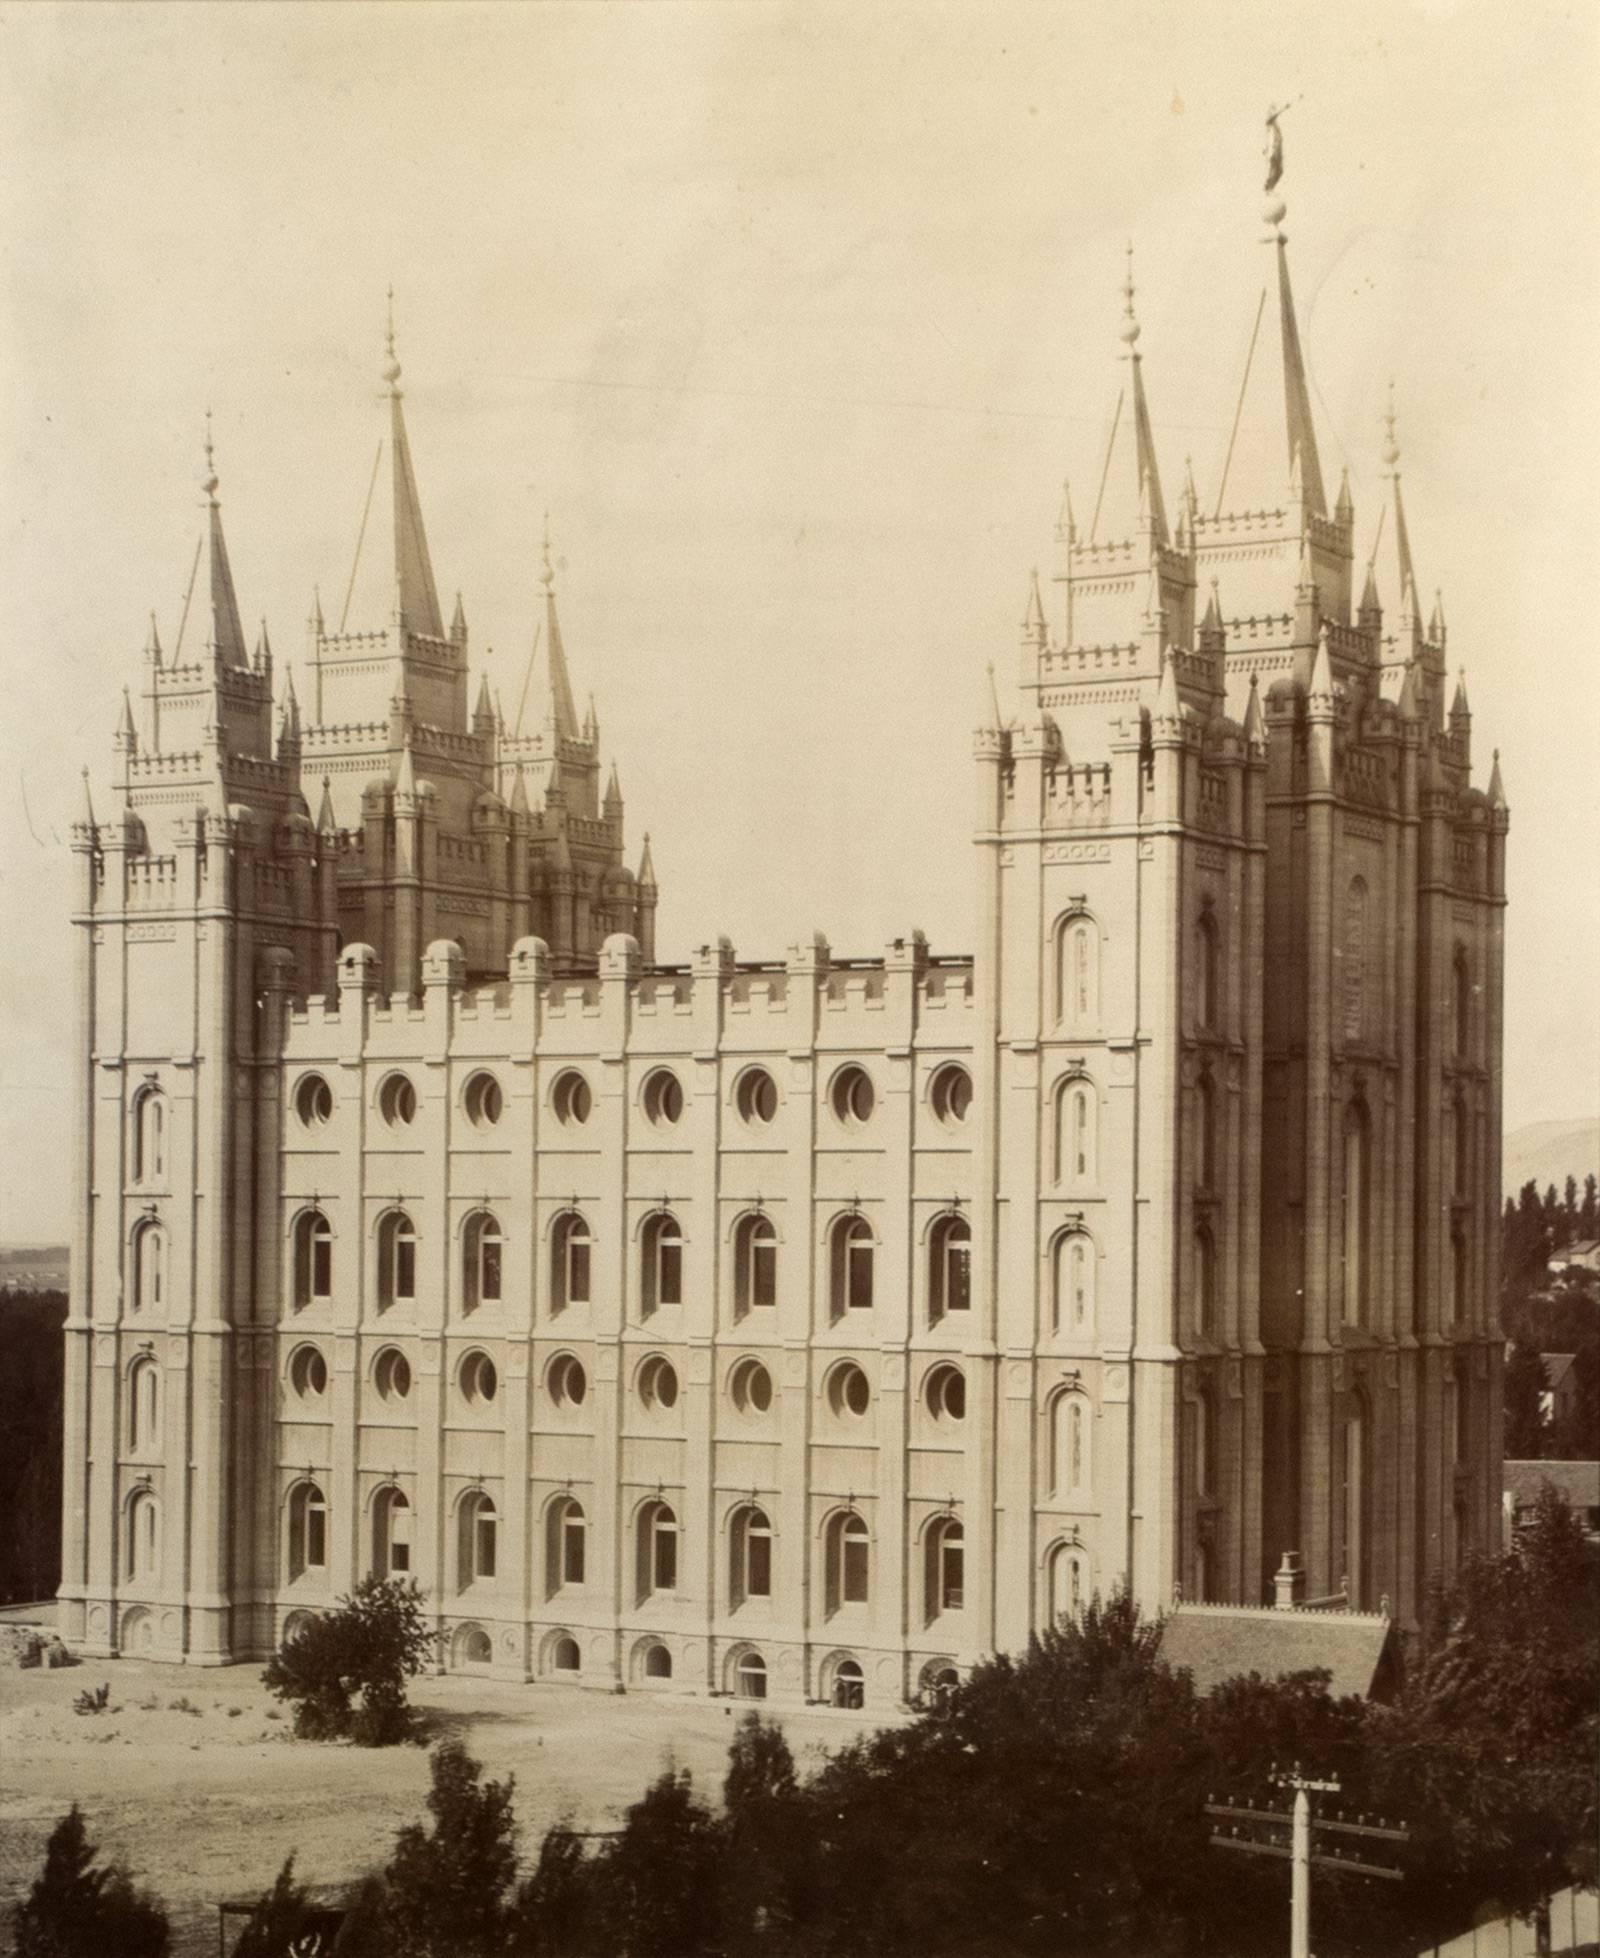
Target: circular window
951	1095
663	1098
751	1387
853	1096
567	1381
756	1096
848	1392
308	1373
392	1374
658	1383
313	1101
571	1099
484	1101
946	1394
397	1102
479	1381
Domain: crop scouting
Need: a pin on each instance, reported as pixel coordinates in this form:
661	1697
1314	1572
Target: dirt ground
190	1780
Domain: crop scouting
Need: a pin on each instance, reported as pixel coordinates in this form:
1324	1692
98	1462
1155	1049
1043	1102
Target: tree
446	1889
77	1911
1525	1380
1589	1210
371	1645
765	1864
280	1916
556	1906
658	1881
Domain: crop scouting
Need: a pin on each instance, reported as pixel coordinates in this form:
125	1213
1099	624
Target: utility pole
1290	1835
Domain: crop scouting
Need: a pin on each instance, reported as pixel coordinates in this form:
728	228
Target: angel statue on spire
1273	150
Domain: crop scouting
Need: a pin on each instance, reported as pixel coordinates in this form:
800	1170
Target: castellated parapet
808	1328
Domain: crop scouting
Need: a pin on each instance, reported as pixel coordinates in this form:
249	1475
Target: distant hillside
1550	1152
33	1267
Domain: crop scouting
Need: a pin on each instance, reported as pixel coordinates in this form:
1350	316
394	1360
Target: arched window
150	1137
1069	1582
661	1262
391	1533
566	1543
308	1530
397	1260
143	1536
1069	1445
1078	974
850	1265
482	1247
750	1676
1072	1293
656	1550
144	1407
565	1656
846	1548
1459	1274
149	1268
1462	983
1205	1282
1353	974
944	1568
1205	1444
755	1264
1206	1109
477	1538
949	1266
749	1555
313	1258
1207	989
1075	1133
570	1249
1357	1500
849	1688
1356	1203
657	1662
1461	1146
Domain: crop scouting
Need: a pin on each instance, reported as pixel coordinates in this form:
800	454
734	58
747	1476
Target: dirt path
189	1780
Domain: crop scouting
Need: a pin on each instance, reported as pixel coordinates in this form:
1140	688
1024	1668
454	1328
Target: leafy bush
77	1911
370	1647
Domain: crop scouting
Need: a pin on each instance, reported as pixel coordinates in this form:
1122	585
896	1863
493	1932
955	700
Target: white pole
1300	1896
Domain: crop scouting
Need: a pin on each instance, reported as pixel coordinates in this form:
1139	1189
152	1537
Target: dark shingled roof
1579	1482
1215	1642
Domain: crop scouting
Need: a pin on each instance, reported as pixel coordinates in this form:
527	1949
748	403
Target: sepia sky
795	317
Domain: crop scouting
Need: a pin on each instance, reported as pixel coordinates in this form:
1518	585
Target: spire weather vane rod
366	511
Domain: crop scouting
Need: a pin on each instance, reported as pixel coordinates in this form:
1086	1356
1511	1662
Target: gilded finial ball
391	368
208	478
1129	332
1275	210
1391	452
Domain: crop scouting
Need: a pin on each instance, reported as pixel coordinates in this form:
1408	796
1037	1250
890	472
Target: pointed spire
519	793
1459	710
1436	625
289	732
1255	730
416	596
458	620
319	630
1402	537
263	652
996	718
1304	463
1322	667
1168	706
1212	622
613	797
1371	611
647	870
483	712
152	644
326	824
87	818
127	735
225	639
1497	788
1411	691
1034	630
405	779
1344	511
1152	510
560	712
1067	522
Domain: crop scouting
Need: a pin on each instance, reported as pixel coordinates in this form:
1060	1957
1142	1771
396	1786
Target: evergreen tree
555	1909
446	1890
1589	1210
75	1910
659	1879
1525	1381
766	1888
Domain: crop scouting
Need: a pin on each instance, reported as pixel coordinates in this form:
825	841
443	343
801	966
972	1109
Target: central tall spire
225	636
560	710
416	598
1305	466
1129	500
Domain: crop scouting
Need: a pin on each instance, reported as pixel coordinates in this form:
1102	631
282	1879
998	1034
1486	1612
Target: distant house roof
1556	1368
1579	1482
1585	1251
1214	1642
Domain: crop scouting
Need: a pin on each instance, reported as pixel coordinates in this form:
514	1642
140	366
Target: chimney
1289	1582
